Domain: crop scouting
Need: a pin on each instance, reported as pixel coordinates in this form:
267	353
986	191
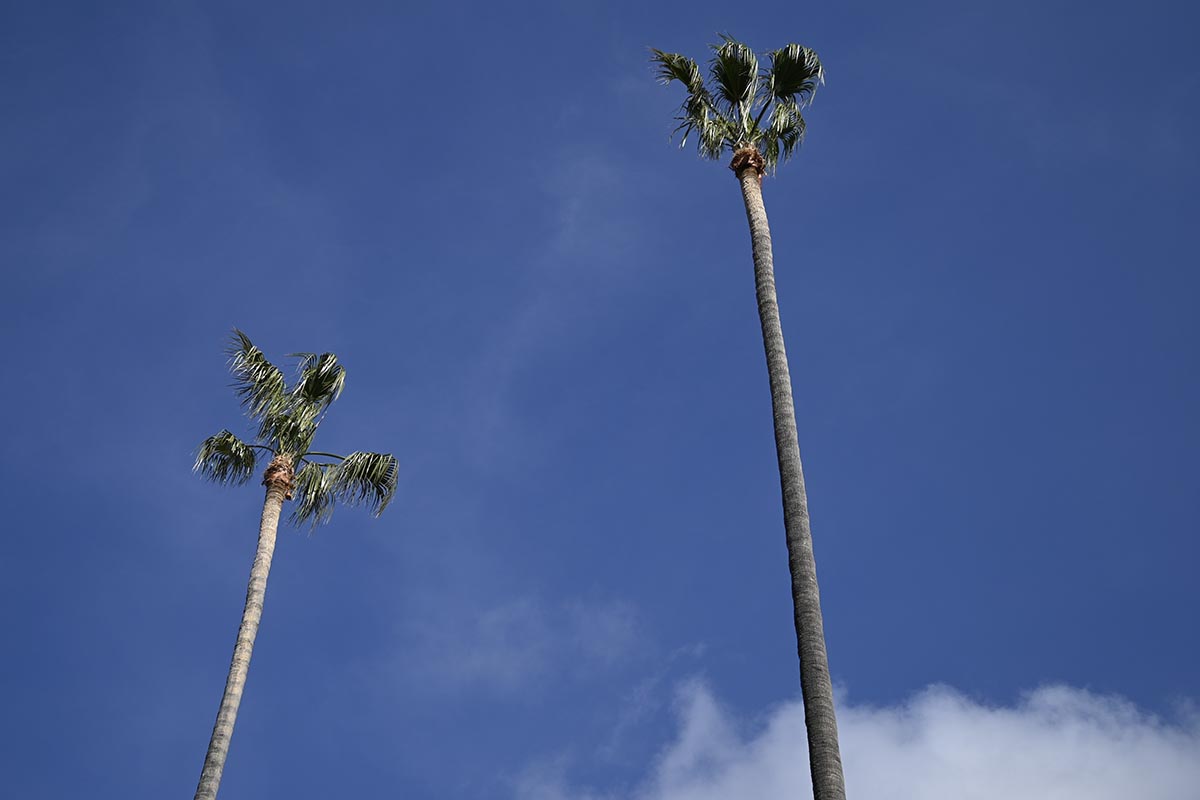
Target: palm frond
290	431
713	130
224	458
257	382
717	134
367	479
321	381
314	495
734	71
795	73
784	133
699	114
768	147
678	67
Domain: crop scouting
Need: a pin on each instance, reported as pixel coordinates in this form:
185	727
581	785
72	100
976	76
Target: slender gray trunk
825	761
218	746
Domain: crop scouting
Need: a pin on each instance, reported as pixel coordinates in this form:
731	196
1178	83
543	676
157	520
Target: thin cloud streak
512	645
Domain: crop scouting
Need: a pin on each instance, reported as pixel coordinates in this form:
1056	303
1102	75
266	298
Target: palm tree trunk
825	761
218	746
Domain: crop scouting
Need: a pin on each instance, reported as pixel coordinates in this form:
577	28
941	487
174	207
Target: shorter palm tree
287	420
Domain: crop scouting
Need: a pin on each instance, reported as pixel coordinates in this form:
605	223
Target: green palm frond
257	382
712	129
768	146
288	431
224	458
784	134
291	422
366	479
698	114
717	134
321	381
795	73
314	496
734	71
678	67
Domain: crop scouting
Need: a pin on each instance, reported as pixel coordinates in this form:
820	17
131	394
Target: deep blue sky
986	257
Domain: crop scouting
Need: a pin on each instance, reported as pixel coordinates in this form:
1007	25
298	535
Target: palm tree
287	420
754	112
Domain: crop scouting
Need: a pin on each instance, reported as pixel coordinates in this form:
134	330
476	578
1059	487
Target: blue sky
988	286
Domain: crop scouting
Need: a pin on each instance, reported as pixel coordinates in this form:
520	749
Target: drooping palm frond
359	479
366	479
257	382
734	71
314	496
224	458
713	130
784	133
715	134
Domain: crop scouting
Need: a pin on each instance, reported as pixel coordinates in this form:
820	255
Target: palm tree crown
748	106
287	420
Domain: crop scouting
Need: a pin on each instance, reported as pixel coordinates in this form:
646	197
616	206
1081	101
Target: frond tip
224	458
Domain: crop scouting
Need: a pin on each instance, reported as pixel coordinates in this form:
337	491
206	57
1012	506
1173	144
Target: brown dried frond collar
280	474
748	158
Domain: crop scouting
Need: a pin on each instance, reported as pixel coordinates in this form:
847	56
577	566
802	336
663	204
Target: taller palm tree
287	420
754	113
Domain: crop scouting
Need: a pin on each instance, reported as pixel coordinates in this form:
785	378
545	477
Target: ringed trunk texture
825	761
278	480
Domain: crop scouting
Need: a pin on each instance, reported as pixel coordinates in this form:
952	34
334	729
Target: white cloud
1057	743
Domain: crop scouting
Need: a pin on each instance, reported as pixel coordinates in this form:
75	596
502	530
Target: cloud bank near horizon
1056	743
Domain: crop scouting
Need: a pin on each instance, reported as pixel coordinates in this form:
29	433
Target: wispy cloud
1057	743
509	645
558	294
